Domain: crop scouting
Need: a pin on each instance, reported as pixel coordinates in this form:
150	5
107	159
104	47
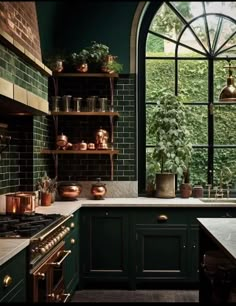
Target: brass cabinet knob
72	225
72	241
7	280
162	218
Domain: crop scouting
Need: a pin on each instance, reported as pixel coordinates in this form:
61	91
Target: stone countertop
11	247
223	231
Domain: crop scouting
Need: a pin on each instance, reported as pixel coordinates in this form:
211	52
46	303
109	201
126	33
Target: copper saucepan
21	203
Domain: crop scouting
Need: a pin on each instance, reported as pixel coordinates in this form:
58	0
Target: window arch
184	47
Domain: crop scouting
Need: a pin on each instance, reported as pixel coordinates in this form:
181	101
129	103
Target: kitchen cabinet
111	114
142	246
104	241
71	267
13	279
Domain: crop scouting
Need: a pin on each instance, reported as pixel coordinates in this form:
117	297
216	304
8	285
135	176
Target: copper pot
21	203
69	190
62	141
98	190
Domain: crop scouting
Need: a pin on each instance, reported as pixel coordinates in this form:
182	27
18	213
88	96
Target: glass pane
225	167
213	22
150	140
225	124
188	9
227	29
198	124
166	22
230	53
198	167
221	7
229	44
220	77
154	45
200	30
189	39
159	75
193	74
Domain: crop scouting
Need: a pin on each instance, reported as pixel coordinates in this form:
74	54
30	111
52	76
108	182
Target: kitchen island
217	236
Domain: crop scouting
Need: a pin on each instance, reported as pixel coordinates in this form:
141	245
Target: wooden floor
144	296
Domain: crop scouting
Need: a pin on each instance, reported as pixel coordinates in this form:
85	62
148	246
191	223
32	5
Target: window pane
193	75
228	28
223	159
225	124
221	7
220	77
167	23
150	140
157	74
189	9
198	167
154	46
198	124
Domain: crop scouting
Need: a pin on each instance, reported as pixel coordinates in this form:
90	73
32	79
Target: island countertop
222	231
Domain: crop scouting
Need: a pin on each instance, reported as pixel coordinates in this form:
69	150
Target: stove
26	226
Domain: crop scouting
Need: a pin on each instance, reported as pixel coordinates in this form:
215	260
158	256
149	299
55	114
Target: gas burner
25	226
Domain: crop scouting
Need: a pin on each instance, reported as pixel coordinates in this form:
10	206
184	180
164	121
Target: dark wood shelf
105	152
73	113
86	75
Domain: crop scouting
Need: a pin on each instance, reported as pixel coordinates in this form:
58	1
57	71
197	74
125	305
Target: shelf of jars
106	152
74	113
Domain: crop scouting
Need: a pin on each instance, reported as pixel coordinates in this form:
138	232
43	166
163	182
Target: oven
47	280
46	253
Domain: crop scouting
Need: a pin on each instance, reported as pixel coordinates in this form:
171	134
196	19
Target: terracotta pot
185	190
46	199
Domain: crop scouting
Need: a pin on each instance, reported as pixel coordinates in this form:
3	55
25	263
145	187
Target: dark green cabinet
142	245
105	245
71	267
13	279
161	253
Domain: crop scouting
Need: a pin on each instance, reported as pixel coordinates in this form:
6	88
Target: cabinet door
161	252
104	236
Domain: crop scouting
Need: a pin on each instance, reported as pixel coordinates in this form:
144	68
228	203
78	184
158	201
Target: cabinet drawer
160	216
12	273
213	212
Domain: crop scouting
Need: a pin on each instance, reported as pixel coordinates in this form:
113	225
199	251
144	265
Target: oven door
48	279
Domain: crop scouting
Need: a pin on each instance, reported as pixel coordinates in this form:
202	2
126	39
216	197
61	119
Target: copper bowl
98	190
69	190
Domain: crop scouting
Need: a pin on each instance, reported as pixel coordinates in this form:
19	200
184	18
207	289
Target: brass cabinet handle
162	218
7	280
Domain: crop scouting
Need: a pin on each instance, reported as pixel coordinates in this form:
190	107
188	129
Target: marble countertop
10	247
223	230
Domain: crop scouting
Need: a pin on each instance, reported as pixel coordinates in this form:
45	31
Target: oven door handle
58	263
67	295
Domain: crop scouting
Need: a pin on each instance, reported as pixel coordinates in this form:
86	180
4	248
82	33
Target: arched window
185	48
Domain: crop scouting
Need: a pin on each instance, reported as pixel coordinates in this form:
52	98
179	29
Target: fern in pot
173	147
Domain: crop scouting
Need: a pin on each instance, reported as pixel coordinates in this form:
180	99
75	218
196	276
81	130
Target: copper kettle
98	190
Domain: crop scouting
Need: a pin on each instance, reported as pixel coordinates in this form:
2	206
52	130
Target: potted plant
112	65
173	147
80	60
97	55
185	187
55	62
47	188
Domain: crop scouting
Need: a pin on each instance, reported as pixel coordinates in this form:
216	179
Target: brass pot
69	190
98	190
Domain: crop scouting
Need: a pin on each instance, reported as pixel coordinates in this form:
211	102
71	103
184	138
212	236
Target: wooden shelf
105	152
86	75
73	113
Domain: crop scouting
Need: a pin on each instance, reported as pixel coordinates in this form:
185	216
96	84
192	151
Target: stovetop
26	226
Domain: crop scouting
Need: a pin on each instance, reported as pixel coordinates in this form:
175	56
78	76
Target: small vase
46	199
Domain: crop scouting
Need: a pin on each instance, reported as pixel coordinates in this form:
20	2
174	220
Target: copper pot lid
98	184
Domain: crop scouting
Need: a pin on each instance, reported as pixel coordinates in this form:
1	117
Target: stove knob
67	230
42	250
46	246
72	225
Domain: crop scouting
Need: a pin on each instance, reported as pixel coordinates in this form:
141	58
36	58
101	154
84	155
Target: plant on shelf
80	60
47	188
173	147
55	62
111	65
